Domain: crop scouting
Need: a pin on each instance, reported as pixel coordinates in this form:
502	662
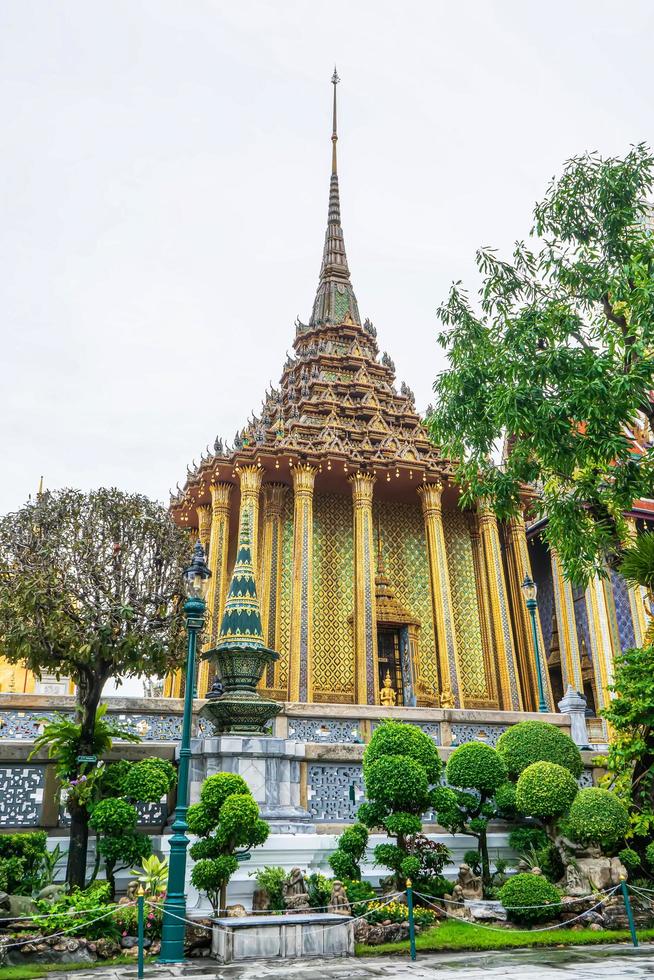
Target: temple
375	586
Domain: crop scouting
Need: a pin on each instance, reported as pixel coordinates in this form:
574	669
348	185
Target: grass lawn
31	970
451	935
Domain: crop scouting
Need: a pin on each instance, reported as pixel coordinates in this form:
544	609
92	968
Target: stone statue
447	698
296	897
575	886
387	695
338	901
470	883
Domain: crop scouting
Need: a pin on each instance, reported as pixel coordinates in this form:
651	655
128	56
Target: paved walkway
580	963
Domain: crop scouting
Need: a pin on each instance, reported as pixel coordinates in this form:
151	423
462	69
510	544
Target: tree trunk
111	878
89	692
223	899
485	863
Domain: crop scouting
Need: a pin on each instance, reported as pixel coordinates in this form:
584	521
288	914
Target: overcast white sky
164	174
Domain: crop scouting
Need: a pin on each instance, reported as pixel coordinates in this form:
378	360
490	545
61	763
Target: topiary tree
400	765
597	817
114	817
227	821
477	792
530	898
538	741
545	791
345	861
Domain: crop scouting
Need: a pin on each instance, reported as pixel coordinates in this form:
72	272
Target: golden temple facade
367	568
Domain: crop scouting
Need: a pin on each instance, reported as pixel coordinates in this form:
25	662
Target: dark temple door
390	659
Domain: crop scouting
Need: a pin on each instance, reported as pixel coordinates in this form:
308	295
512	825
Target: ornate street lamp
196	581
529	588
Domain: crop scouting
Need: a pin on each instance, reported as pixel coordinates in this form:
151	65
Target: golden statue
387	695
447	698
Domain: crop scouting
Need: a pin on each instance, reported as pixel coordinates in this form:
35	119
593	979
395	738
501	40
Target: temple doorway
389	659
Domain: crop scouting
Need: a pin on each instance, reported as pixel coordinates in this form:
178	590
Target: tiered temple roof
337	398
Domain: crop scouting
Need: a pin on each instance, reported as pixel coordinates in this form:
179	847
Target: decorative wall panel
326	730
333	569
330	787
405	557
623	611
472	669
21	795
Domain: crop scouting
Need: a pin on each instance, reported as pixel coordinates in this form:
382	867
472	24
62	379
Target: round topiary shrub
630	858
216	789
398	782
538	741
399	739
545	790
476	765
149	780
530	898
505	799
113	817
598	817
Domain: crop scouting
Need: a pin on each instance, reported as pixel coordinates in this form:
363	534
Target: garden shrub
476	765
127	919
597	817
271	879
545	790
398	783
149	780
525	890
225	819
23	862
87	905
395	738
119	842
351	847
358	892
649	854
377	912
538	741
630	858
319	889
523	838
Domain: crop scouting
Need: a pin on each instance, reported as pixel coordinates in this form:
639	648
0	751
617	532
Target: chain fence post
629	911
140	903
412	924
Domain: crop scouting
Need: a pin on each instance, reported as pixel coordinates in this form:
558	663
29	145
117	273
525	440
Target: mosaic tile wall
285	592
466	611
333	590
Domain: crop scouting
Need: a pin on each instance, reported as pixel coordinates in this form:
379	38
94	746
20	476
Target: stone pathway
580	963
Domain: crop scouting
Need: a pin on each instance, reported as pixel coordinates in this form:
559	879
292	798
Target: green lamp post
196	580
530	589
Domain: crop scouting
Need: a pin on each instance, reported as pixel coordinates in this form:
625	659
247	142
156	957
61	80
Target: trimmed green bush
271	879
597	816
395	738
149	780
649	854
505	799
345	861
545	790
398	783
225	819
113	817
538	741
522	895
476	765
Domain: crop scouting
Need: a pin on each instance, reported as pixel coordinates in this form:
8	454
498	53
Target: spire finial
335	81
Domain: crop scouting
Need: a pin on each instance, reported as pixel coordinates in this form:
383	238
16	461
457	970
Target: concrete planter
258	937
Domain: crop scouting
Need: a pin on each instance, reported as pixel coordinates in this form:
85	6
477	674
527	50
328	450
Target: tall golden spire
335	81
335	299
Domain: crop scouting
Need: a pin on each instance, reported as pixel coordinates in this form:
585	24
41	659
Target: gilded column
301	640
500	622
441	596
598	599
204	527
250	482
519	565
565	619
483	606
637	598
365	612
274	495
221	494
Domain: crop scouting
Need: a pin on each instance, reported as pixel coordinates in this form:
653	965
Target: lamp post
529	588
196	580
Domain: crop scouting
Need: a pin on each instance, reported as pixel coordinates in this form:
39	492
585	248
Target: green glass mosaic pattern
285	592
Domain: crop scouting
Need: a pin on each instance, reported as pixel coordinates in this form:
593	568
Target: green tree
89	589
227	821
477	792
400	765
558	357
